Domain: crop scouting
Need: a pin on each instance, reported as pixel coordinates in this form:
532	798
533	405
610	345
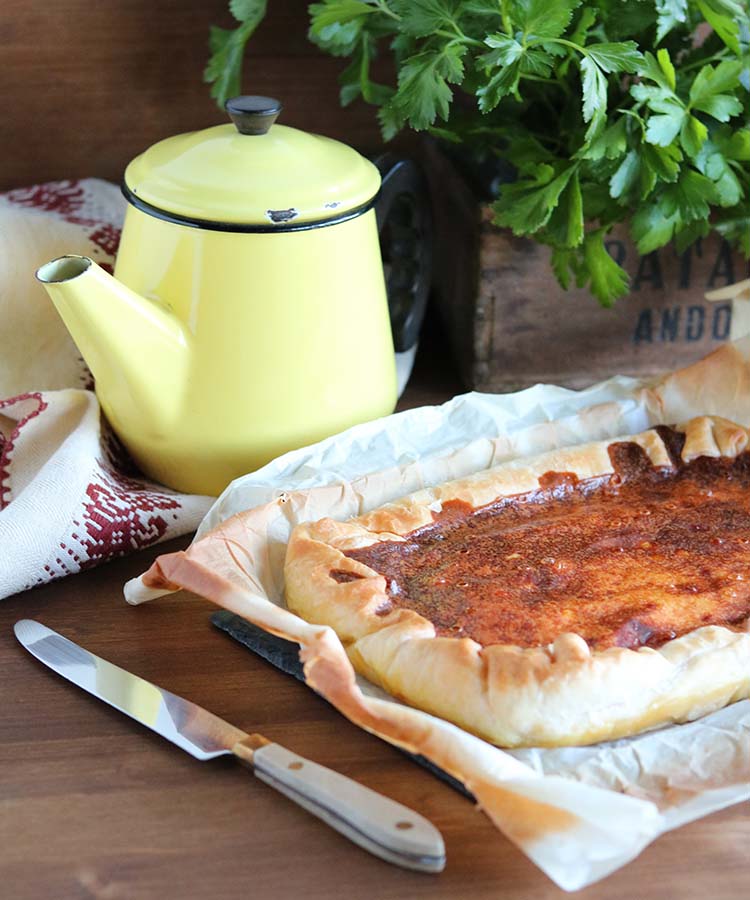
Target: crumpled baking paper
579	813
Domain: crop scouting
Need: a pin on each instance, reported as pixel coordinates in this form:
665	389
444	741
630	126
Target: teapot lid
254	175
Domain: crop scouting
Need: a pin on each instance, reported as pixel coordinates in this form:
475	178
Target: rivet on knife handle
378	824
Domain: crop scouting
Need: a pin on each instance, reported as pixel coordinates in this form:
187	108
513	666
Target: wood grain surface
93	805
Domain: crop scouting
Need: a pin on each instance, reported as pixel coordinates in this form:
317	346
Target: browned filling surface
628	560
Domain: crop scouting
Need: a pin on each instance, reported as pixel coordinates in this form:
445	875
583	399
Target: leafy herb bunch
609	111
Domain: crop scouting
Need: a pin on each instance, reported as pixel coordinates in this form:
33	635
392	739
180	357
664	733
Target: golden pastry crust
561	693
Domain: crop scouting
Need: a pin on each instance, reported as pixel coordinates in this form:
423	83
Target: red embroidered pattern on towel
8	441
66	199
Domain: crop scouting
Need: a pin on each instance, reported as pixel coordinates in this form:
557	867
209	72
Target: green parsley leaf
562	265
652	69
651	227
351	87
633	180
621	57
391	121
423	93
542	19
715	165
664	161
596	126
654	97
482	8
500	85
623	19
610	144
565	225
738	145
692	135
531	159
337	12
248	10
690	196
338	39
422	18
663	129
451	65
720	106
505	51
536	62
726	26
670	13
707	92
585	23
594	88
688	234
737	8
626	176
728	187
665	64
524	207
355	80
444	134
608	281
227	45
225	63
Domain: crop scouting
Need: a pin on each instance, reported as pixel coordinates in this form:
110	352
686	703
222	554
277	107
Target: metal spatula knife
387	829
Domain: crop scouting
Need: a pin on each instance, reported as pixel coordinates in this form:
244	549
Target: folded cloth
70	497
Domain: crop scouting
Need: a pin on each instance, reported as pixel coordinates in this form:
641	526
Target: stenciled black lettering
616	250
695	323
722	322
670	323
723	266
644	327
649	270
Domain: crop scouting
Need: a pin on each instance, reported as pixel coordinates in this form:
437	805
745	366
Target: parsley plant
609	111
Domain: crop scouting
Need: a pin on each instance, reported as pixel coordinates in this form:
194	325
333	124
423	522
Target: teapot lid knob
252	114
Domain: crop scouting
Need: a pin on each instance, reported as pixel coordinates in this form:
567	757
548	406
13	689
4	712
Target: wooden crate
511	325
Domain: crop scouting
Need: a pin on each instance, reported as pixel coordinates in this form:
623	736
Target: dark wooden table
93	805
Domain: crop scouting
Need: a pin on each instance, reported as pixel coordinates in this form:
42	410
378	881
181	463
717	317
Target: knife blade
376	823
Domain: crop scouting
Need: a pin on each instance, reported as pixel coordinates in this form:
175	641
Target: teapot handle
404	221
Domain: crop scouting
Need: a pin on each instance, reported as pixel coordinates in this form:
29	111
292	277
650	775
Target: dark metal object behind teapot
405	226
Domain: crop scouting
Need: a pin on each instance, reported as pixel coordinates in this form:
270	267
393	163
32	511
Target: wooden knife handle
385	828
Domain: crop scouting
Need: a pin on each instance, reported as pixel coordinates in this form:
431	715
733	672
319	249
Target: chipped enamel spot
281	216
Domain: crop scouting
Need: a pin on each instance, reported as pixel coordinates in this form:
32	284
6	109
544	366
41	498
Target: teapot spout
137	350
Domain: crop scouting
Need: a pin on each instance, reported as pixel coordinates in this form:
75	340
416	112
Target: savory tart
576	596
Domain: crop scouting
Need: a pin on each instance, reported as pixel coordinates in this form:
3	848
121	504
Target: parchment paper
578	813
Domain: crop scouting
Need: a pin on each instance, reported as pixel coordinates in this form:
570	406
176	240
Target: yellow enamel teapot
248	312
